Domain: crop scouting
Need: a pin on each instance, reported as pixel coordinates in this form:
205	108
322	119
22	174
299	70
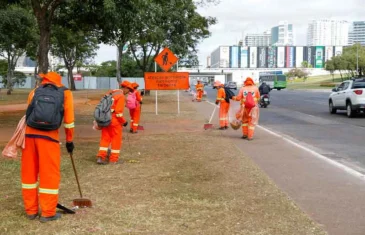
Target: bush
328	84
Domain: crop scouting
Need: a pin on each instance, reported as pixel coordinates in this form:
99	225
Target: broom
80	202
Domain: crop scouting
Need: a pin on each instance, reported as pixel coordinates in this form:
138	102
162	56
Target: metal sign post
178	91
156	90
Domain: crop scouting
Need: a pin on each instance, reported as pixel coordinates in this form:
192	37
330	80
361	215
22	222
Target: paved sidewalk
328	194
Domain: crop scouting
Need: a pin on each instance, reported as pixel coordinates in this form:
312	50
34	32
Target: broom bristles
82	202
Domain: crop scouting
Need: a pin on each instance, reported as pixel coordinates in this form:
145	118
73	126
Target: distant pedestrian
224	105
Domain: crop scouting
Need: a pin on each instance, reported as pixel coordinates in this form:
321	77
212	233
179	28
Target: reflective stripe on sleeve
135	124
251	127
48	191
70	125
119	115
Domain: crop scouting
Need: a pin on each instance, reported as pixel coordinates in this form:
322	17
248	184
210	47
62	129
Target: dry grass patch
170	183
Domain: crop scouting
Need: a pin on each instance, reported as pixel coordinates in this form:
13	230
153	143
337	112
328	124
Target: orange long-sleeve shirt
244	91
221	95
118	105
68	120
199	87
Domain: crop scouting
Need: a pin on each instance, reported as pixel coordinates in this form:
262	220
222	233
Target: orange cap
135	85
249	82
126	84
217	83
52	77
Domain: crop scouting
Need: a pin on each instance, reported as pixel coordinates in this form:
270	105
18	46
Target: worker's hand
140	102
217	102
70	147
125	124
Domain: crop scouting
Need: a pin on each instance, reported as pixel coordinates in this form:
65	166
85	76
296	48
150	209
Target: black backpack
229	94
47	108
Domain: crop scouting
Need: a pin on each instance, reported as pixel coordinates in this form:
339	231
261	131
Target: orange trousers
135	117
199	95
40	158
248	128
223	114
111	135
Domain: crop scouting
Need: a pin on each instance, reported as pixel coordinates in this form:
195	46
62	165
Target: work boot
32	217
100	161
47	219
221	128
244	137
226	127
131	130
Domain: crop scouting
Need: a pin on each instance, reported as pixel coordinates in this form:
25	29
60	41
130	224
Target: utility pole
357	59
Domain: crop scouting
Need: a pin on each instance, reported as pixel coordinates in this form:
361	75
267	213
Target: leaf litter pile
176	179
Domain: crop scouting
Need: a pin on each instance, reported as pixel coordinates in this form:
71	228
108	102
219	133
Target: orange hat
217	84
126	84
135	85
51	77
249	82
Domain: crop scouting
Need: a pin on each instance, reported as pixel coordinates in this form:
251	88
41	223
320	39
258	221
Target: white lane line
314	153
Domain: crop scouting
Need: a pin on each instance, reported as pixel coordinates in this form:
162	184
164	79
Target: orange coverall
136	113
199	91
42	156
223	109
248	128
112	134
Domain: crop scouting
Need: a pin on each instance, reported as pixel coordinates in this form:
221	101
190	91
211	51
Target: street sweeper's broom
80	202
209	125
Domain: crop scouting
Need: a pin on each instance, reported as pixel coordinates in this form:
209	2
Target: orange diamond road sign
166	59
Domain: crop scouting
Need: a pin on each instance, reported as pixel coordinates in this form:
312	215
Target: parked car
349	96
231	85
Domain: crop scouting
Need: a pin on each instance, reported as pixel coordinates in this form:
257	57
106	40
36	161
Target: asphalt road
304	116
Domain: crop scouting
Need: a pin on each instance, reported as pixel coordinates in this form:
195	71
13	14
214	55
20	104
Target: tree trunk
119	62
44	43
71	81
9	75
341	76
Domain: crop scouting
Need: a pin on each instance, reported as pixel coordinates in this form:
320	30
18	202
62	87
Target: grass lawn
316	82
175	179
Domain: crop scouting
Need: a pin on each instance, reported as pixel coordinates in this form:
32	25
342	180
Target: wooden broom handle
77	178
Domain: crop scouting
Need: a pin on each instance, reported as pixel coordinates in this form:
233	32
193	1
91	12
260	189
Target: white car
349	96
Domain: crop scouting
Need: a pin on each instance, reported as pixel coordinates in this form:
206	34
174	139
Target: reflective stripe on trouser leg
136	118
223	114
245	129
251	131
49	175
104	142
116	139
29	176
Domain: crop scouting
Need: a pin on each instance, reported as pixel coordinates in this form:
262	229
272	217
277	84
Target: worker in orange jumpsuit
112	134
224	105
135	113
199	87
248	127
41	158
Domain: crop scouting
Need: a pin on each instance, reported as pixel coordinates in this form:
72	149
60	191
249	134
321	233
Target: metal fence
93	83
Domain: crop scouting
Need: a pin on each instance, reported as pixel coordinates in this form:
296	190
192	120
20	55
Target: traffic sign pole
156	90
178	91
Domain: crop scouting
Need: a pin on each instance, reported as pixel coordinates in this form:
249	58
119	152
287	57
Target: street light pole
357	59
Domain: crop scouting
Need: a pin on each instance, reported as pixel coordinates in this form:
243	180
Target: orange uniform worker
199	87
135	113
42	153
224	105
112	134
248	127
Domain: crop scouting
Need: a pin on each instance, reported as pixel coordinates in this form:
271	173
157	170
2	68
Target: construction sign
166	59
166	81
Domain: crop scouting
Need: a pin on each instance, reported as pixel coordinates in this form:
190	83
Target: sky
240	17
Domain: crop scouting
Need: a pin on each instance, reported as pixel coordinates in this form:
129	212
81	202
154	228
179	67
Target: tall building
357	33
326	32
283	34
258	40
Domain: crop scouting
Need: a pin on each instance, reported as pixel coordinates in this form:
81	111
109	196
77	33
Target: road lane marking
314	153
